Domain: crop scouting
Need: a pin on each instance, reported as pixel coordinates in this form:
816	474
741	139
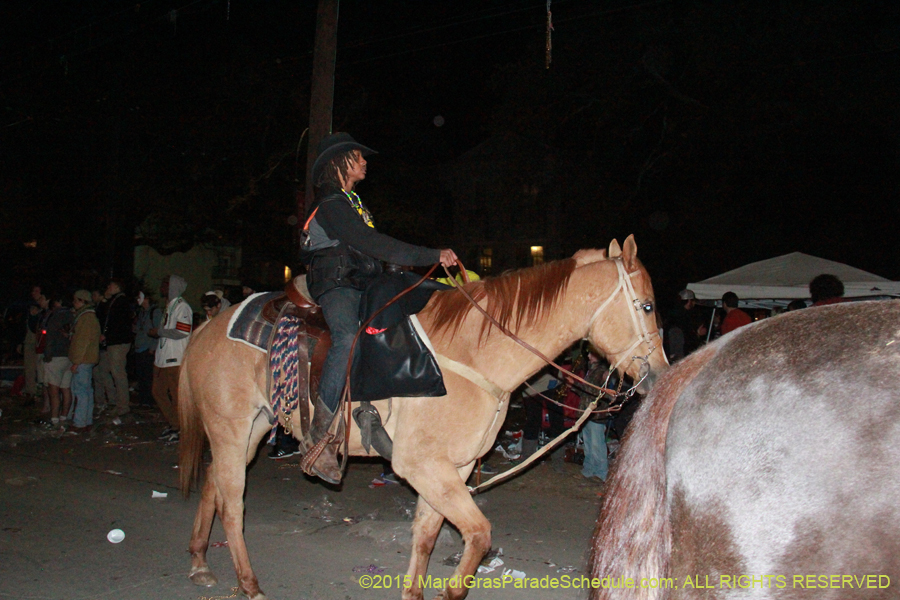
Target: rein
644	336
627	288
522	342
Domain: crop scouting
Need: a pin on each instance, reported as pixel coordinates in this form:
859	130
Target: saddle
395	359
313	343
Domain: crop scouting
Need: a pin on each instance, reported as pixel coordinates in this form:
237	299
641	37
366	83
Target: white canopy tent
777	281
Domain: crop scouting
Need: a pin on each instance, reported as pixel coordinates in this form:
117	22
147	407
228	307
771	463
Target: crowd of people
82	351
78	348
691	325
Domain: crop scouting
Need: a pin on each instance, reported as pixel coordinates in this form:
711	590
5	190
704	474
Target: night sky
718	133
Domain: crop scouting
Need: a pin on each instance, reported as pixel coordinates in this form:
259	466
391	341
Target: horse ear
629	254
614	250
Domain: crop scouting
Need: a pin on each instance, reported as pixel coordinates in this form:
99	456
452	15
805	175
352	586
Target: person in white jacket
174	334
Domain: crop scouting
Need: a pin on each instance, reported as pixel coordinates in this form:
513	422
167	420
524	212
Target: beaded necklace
356	203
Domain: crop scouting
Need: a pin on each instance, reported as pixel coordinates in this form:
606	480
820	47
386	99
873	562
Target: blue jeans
596	459
83	394
340	307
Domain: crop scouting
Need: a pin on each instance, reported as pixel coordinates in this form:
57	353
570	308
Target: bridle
643	335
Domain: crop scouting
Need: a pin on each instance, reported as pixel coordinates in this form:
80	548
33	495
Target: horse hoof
204	577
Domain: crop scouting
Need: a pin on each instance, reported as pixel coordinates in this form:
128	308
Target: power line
507	31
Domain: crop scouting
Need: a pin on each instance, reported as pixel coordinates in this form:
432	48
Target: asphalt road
61	495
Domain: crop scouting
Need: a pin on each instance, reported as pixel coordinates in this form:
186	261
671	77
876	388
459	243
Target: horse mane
514	298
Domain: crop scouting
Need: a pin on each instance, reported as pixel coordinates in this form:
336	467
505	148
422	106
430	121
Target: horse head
624	325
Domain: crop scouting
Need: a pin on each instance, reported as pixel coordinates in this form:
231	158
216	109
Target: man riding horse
342	252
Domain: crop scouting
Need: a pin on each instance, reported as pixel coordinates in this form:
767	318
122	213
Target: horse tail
633	538
190	446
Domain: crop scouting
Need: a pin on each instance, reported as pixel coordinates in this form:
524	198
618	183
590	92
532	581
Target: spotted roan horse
765	465
607	298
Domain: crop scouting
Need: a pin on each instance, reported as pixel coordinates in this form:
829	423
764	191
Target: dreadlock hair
336	169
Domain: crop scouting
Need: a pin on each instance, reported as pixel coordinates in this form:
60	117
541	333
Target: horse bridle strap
640	328
501	395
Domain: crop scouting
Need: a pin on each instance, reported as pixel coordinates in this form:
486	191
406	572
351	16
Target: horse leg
210	502
200	573
426	527
444	488
229	472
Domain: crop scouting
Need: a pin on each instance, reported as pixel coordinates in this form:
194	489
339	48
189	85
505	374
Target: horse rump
764	465
632	539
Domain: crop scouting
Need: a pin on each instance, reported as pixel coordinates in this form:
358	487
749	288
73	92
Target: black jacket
346	251
116	320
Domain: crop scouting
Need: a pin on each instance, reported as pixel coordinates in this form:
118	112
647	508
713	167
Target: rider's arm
341	222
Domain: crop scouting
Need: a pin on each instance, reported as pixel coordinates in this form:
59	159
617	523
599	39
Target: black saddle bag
393	361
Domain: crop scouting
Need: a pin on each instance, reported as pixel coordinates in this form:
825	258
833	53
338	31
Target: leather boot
326	466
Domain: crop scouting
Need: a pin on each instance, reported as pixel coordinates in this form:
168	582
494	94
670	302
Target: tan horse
436	441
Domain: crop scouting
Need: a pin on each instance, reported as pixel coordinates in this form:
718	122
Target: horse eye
648	307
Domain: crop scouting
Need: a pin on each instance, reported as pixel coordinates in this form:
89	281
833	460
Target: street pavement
60	495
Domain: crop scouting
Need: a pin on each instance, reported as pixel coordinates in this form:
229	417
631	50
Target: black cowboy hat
334	144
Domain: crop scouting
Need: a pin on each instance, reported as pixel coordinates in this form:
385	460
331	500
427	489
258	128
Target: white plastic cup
115	536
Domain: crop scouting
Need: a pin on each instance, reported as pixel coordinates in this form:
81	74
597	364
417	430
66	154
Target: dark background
718	133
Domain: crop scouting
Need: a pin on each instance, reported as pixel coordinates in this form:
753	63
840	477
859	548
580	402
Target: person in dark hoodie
149	317
174	334
115	318
826	289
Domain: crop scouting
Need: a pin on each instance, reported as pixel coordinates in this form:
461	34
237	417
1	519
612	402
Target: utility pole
322	93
